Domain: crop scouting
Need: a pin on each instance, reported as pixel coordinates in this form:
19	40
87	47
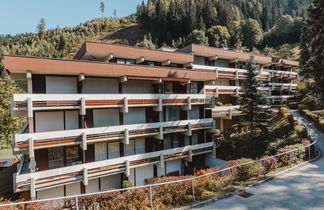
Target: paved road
302	188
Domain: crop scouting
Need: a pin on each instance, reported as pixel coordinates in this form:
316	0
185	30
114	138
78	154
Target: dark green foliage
253	103
286	30
169	20
197	37
251	33
218	36
8	124
312	58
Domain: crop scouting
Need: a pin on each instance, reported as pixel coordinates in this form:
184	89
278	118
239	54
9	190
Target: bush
269	164
293	105
218	103
174	194
301	107
245	172
301	131
127	184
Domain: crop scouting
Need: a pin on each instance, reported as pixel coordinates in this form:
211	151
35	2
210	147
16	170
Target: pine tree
8	124
41	27
313	48
102	8
253	103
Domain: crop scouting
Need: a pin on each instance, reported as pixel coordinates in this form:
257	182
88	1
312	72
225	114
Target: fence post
76	203
193	190
151	197
230	175
309	155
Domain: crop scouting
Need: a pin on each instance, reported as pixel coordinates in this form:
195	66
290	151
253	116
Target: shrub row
315	116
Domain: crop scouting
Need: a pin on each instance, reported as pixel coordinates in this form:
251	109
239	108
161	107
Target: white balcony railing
22	102
226	111
84	172
226	72
219	89
92	135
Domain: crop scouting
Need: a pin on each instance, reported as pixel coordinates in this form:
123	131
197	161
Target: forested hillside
269	27
171	21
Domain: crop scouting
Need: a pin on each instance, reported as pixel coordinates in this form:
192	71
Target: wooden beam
108	58
166	62
123	79
140	60
214	57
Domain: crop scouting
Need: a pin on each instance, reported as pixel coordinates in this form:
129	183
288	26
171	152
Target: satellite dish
32	165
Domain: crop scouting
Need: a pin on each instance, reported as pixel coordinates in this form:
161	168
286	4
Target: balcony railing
282	74
23	142
83	172
234	73
23	102
219	89
226	111
282	86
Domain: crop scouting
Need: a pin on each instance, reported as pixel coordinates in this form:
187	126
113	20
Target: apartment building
115	113
279	78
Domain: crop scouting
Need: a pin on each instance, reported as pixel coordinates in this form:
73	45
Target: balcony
23	102
226	112
83	172
281	74
23	143
219	89
282	86
223	72
233	73
280	98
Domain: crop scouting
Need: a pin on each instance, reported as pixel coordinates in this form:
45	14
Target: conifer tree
102	8
312	56
254	103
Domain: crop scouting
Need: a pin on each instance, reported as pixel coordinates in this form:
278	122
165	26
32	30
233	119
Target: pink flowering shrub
174	194
245	172
269	164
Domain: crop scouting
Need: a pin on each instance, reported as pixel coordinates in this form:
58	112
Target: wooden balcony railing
83	172
110	133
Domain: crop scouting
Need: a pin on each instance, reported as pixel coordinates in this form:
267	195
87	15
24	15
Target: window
100	151
175	141
55	157
199	60
167	143
151	63
124	61
113	150
130	148
168	87
232	83
72	155
173	113
193	88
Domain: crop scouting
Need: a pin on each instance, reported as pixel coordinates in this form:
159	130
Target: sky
20	16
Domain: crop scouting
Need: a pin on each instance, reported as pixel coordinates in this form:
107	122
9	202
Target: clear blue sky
20	16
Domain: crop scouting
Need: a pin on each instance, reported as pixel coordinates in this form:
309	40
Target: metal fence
75	199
